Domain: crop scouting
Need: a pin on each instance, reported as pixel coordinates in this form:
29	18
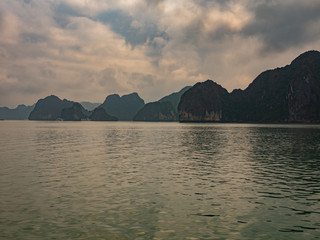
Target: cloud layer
85	50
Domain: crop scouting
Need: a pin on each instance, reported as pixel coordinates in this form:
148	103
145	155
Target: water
128	180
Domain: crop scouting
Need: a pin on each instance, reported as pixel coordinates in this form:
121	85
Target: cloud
282	25
85	50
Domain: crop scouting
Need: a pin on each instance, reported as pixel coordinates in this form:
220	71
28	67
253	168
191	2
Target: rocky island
75	113
49	108
21	112
124	108
290	94
53	108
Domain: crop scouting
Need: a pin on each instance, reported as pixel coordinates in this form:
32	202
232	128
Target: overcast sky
88	49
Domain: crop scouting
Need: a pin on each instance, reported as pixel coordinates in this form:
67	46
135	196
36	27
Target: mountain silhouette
290	94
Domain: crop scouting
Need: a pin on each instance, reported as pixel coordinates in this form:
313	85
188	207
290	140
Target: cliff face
304	89
49	108
157	111
288	94
264	100
125	107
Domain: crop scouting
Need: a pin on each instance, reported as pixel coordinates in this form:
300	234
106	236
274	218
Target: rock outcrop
290	94
125	107
157	111
99	114
53	108
204	102
75	113
49	108
303	93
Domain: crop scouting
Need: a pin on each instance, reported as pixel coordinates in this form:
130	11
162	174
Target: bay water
136	180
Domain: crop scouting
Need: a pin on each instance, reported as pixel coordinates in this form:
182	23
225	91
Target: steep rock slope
287	94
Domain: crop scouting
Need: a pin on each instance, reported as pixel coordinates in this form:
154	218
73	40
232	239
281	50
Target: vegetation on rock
283	95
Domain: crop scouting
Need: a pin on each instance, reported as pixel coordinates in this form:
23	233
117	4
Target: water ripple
159	181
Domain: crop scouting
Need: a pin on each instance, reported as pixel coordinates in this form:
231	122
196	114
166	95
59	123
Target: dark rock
49	108
75	113
99	114
303	93
174	98
204	102
21	112
283	95
125	107
157	111
166	109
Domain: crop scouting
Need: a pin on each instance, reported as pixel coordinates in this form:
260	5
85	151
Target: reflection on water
91	180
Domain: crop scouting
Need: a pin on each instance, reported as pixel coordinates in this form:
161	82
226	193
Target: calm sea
131	180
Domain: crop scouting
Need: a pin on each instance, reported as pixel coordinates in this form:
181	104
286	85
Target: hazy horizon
86	50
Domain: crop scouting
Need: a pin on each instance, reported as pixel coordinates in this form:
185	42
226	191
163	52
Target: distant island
125	107
289	94
21	112
53	108
128	107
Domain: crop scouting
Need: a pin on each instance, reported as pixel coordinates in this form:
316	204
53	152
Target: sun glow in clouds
235	17
74	48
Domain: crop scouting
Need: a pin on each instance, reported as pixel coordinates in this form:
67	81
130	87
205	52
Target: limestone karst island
290	94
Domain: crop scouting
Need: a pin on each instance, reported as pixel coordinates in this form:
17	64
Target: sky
84	50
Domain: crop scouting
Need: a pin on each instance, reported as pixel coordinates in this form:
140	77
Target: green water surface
131	180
